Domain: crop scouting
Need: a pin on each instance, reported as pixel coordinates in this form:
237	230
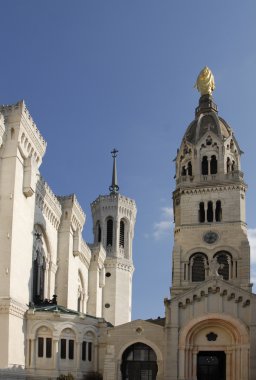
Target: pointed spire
114	186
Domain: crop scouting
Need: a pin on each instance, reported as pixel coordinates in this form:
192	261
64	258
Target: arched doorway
215	346
139	362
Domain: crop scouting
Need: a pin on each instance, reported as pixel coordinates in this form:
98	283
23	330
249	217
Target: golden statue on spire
205	81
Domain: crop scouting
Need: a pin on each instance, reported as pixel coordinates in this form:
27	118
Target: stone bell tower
209	200
210	317
114	218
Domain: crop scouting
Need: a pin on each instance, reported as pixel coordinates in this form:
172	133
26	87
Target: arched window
210	212
98	232
201	212
213	165
224	260
189	168
228	165
121	236
139	362
233	166
183	171
67	345
44	345
109	232
39	266
205	165
218	212
87	349
198	263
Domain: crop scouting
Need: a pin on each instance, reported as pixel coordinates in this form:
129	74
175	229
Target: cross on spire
114	186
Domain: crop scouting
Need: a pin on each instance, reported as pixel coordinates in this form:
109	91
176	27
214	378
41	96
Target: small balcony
189	180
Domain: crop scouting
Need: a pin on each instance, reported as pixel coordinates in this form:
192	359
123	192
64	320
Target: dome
207	120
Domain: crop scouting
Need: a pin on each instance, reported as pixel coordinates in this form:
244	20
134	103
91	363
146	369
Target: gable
213	296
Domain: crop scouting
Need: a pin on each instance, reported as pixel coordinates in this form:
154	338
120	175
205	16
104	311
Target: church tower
114	218
209	201
210	317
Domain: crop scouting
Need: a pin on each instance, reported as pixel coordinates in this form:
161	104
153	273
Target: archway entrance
211	365
217	343
139	362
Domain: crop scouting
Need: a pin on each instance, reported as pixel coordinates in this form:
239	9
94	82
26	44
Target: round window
107	305
108	274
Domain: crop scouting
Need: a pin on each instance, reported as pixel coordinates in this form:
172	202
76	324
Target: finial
114	186
205	81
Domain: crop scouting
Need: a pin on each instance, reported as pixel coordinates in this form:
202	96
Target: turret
114	218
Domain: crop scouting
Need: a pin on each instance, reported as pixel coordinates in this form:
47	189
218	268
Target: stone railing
236	175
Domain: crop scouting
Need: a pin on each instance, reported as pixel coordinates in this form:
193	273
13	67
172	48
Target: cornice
123	264
210	189
9	306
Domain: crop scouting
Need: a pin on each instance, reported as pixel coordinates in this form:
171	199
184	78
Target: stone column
33	353
78	355
181	364
55	342
194	365
228	365
245	363
238	364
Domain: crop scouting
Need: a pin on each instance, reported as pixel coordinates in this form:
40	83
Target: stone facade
209	328
43	253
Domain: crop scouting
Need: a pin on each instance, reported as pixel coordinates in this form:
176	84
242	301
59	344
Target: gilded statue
205	81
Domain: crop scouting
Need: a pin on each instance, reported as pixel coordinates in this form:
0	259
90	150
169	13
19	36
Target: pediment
138	324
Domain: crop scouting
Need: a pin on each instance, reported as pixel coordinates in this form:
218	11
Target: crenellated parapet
48	203
30	140
124	204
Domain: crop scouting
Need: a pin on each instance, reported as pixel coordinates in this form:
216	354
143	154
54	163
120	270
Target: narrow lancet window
210	212
183	171
39	266
205	165
218	212
213	165
98	232
189	168
109	232
201	212
228	165
121	237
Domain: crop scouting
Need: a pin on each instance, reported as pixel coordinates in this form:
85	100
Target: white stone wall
73	270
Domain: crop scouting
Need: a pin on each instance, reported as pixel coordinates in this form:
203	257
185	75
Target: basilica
65	305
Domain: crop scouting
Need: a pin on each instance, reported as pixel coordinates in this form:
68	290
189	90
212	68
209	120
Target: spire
114	186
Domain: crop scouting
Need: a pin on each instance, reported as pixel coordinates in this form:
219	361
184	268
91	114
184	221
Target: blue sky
101	74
